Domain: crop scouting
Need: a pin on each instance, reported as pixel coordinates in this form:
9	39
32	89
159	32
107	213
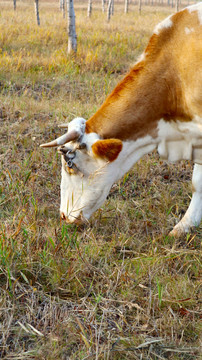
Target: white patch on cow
90	139
188	30
180	140
193	215
81	194
167	23
141	58
131	152
77	124
198	8
193	128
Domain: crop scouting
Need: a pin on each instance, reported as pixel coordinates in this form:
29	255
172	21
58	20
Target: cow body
157	105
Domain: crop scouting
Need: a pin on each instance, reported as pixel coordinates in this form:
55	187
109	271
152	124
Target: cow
157	105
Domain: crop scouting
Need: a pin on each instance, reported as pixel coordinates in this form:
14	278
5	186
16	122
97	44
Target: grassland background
119	288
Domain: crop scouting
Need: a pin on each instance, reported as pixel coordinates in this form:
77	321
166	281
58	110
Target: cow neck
148	93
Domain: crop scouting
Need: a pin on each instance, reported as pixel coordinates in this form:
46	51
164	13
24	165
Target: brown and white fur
157	105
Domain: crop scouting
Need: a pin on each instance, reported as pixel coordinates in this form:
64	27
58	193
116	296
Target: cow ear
108	149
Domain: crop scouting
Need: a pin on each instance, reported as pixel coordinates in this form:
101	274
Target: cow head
87	171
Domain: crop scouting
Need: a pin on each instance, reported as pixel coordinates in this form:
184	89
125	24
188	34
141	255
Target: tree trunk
112	7
140	6
14	4
103	6
177	5
72	38
109	10
126	6
37	11
63	8
89	12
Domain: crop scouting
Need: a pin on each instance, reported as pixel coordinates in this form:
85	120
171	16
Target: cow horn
63	126
72	135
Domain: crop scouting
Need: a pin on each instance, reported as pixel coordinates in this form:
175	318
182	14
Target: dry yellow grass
119	288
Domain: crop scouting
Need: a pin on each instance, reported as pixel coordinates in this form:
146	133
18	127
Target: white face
90	166
87	180
85	184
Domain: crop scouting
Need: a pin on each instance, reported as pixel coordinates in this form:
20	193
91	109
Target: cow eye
81	146
69	163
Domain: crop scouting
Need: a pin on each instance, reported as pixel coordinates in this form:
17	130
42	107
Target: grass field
119	288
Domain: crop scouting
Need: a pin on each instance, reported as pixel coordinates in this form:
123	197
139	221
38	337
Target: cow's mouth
79	220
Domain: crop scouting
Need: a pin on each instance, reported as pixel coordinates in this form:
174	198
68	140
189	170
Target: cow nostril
62	215
79	220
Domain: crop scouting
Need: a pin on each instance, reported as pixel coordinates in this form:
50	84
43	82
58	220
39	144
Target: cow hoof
176	233
179	230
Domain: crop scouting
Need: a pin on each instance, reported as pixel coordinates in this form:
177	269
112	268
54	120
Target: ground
119	288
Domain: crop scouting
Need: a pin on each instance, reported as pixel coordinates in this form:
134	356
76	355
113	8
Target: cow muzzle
79	220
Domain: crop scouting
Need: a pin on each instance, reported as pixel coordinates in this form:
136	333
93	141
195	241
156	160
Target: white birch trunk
177	5
37	11
109	10
103	6
89	11
72	38
63	8
60	4
126	6
140	6
112	7
14	4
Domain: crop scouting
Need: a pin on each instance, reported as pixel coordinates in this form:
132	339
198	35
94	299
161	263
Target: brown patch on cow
127	82
167	84
108	149
152	45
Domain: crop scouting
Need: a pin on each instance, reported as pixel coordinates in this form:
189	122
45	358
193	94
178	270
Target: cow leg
193	214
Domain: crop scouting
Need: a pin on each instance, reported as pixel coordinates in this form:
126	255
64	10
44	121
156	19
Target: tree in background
103	6
140	6
112	7
62	7
14	4
37	11
89	11
71	27
126	6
